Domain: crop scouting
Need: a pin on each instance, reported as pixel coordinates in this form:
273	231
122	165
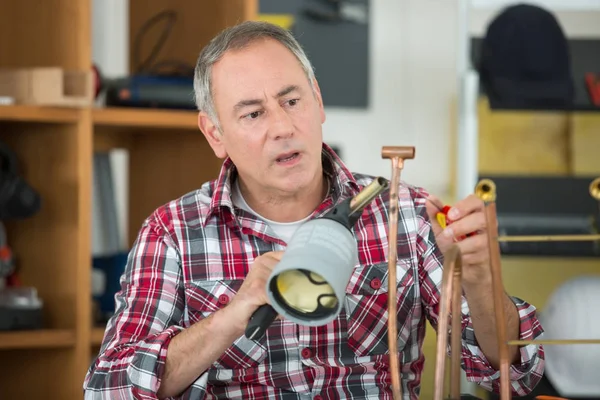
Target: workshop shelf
145	118
43	114
55	146
97	336
45	338
166	149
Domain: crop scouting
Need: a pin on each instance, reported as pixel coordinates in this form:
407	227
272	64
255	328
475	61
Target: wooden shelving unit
38	114
97	336
45	338
55	146
155	120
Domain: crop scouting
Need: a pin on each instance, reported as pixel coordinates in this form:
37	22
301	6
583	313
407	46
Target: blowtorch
308	285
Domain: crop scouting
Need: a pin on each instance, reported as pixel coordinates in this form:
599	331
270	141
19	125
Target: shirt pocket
204	298
366	306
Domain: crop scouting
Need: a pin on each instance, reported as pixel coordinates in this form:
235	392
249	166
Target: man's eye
253	115
293	102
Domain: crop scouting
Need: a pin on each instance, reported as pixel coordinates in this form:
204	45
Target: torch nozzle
367	195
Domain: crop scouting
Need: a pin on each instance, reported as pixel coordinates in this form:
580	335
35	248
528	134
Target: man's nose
281	126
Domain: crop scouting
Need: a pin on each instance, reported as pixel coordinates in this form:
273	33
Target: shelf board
24	113
145	118
46	338
105	117
97	336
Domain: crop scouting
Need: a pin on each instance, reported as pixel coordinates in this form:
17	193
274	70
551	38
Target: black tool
314	297
260	321
18	200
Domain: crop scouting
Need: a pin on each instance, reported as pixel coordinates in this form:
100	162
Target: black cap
525	60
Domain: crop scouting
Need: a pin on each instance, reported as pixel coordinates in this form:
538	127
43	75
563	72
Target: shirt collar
342	183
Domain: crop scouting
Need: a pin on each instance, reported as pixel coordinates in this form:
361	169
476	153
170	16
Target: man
198	268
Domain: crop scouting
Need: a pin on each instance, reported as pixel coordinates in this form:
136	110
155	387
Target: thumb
434	206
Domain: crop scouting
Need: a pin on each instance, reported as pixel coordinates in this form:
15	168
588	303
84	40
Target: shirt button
223	299
306	353
375	283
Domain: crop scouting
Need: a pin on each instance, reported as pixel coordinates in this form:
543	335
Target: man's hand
253	292
194	350
468	216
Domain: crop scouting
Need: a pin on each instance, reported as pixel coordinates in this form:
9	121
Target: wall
412	82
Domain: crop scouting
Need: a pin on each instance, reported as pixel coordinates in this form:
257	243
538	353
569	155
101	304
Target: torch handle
260	321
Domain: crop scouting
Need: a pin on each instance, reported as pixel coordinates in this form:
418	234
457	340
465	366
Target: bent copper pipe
594	189
451	288
397	154
452	291
486	191
498	296
451	294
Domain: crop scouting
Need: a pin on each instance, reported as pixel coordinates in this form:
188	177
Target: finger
466	206
435	202
274	254
477	244
432	212
257	283
433	206
475	259
269	261
469	224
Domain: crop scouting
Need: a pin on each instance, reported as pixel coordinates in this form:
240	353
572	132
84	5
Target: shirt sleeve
149	306
525	375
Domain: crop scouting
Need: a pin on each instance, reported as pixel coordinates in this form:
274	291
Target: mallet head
401	152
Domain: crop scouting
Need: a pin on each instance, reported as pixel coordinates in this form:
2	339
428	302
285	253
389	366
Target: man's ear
319	99
212	134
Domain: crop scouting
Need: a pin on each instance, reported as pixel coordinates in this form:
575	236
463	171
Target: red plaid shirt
190	258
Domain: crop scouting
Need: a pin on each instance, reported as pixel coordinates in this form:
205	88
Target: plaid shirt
191	257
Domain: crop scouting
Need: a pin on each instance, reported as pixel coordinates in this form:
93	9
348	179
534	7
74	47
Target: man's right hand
253	292
194	350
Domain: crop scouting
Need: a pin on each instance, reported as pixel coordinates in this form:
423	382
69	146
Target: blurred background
98	128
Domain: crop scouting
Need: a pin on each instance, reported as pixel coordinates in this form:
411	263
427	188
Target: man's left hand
468	216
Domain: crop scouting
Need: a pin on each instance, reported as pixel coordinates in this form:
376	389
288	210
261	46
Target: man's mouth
287	157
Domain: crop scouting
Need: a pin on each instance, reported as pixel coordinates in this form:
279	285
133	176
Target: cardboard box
47	86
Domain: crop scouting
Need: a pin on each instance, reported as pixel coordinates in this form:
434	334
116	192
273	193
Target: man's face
270	117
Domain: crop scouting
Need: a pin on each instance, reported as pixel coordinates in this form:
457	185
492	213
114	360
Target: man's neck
285	207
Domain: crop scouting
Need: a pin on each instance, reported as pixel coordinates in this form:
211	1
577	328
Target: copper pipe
553	341
452	288
397	155
498	297
392	256
450	295
486	190
595	189
550	238
456	349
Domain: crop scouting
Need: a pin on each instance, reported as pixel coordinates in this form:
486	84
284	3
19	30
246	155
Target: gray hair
237	38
